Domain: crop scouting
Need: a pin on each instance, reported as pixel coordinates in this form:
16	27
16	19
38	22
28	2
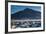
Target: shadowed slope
26	14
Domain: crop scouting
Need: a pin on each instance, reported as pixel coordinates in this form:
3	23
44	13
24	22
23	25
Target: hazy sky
15	8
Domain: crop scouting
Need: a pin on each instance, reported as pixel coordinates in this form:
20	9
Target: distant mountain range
26	14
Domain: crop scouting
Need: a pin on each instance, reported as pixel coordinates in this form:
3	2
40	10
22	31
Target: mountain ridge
26	14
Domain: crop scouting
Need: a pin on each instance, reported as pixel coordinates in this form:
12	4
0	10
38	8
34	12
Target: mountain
26	14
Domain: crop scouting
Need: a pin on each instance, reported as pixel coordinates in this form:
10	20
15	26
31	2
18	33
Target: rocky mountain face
26	14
